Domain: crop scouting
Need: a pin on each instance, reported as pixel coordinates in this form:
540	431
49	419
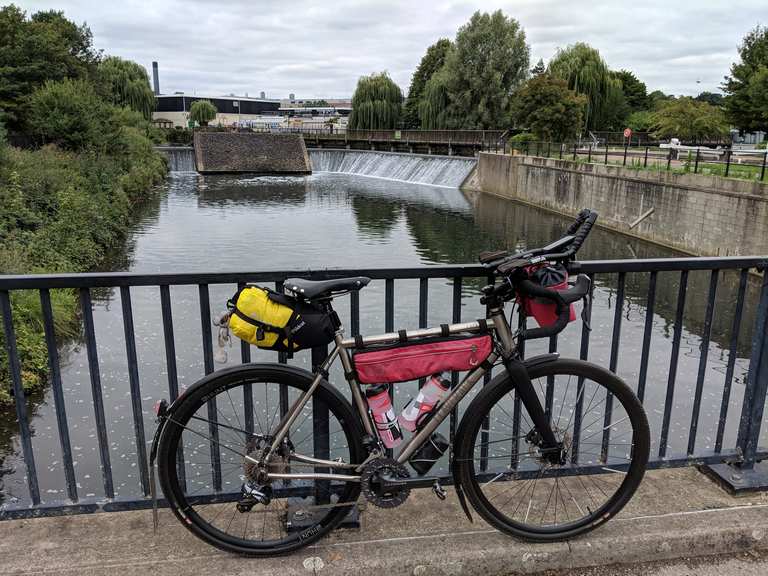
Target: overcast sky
319	49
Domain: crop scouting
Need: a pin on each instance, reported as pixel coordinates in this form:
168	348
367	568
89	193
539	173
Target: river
238	223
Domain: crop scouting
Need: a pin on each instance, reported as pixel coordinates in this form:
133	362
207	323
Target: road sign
627	132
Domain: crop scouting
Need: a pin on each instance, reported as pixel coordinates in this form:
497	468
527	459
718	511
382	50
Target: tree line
482	79
82	165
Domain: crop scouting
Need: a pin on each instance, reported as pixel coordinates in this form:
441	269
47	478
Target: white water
180	159
434	170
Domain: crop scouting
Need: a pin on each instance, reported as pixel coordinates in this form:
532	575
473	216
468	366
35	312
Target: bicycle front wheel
517	485
223	424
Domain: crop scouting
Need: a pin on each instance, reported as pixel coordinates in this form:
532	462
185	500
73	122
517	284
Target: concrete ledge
258	153
677	513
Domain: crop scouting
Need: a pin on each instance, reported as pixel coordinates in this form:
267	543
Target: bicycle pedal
439	490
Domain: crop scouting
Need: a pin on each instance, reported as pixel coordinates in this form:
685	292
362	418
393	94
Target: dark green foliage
376	104
315	104
582	67
657	98
640	121
126	83
747	86
548	108
33	51
434	106
689	120
714	98
68	113
489	62
432	61
178	136
202	112
635	92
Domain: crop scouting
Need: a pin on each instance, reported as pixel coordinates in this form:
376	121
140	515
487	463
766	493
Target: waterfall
180	158
449	171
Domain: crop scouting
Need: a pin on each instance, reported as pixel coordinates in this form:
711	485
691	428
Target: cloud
319	49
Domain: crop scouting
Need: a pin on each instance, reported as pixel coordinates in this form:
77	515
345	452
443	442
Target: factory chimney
155	79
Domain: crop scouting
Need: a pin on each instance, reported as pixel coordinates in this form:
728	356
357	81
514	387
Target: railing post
696	164
626	147
748	475
727	162
765	161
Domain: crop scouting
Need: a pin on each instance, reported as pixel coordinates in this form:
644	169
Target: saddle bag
544	311
275	321
403	362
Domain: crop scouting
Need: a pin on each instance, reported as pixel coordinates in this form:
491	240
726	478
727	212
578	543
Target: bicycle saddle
316	288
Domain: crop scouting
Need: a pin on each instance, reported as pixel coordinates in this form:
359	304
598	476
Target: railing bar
98	404
134	386
647	334
245	358
354	312
389	324
14	368
550	391
704	348
58	393
583	355
321	428
486	426
170	362
456	315
614	359
423	311
213	429
732	352
282	358
678	330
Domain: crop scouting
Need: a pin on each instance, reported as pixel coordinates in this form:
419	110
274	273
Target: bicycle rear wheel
510	478
217	493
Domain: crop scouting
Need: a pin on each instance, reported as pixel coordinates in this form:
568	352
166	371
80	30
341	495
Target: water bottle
426	400
380	405
426	456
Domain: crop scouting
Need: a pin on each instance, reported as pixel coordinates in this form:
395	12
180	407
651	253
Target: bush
522	138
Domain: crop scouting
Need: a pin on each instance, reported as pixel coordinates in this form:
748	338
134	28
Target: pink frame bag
411	361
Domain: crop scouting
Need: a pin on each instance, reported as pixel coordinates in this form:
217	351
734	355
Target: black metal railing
728	162
745	450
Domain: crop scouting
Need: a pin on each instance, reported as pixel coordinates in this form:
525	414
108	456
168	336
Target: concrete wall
260	153
706	215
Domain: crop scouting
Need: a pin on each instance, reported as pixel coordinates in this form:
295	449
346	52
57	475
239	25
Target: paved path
676	514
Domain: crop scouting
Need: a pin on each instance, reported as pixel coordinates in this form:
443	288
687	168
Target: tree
634	91
315	104
202	112
689	120
548	108
431	62
582	67
744	87
45	47
68	113
714	98
376	104
126	83
657	98
433	108
489	62
640	121
539	68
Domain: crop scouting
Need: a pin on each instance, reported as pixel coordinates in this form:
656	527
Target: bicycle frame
499	327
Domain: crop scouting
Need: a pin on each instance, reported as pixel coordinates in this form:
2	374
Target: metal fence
744	164
744	452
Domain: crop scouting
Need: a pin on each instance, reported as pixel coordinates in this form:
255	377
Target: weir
447	171
180	158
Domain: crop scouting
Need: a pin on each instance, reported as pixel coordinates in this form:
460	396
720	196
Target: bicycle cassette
380	482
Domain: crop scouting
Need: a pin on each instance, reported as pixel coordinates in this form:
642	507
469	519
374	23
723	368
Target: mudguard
530	362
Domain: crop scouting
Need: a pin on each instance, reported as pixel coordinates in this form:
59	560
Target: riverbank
64	211
676	513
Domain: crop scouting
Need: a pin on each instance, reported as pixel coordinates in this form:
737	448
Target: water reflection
225	223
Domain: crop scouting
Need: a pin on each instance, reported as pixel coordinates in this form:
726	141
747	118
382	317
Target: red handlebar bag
411	361
543	310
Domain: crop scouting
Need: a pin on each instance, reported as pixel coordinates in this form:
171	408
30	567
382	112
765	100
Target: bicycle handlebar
562	300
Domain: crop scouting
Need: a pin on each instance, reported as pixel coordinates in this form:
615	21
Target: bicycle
548	449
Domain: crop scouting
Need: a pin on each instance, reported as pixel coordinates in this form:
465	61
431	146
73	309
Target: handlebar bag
544	311
404	362
276	321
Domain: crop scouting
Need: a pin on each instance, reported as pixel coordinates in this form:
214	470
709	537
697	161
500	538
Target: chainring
370	476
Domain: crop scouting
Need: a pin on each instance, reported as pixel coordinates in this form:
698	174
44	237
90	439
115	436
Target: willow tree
489	61
434	105
582	67
202	112
126	83
376	104
430	64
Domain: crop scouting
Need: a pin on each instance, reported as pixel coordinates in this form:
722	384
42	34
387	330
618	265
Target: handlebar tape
580	218
561	299
583	232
